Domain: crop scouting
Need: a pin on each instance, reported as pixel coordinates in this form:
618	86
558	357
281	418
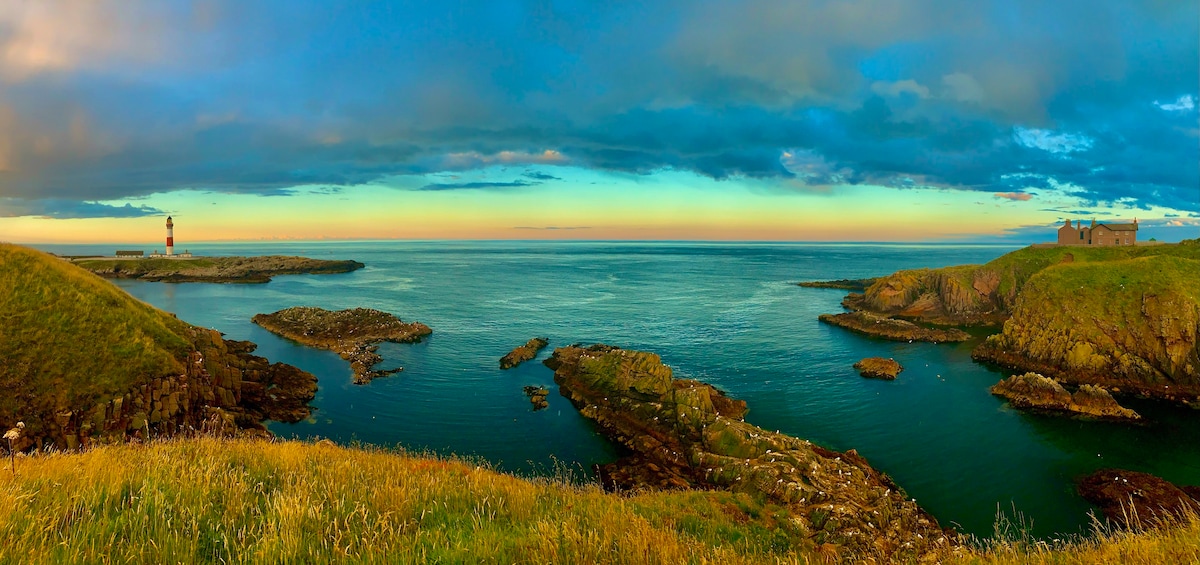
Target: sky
779	120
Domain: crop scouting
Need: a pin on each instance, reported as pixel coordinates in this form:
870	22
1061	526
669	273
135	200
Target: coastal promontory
214	269
893	329
683	433
353	334
84	362
523	353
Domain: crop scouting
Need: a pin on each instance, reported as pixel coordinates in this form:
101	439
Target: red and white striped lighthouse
170	237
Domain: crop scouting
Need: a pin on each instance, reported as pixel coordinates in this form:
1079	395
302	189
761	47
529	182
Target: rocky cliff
683	433
83	361
1131	499
1130	326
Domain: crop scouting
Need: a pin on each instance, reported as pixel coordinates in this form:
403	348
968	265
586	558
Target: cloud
66	209
537	175
1185	103
1017	196
476	185
130	98
1049	141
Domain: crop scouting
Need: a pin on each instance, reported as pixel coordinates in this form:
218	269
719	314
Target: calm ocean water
727	314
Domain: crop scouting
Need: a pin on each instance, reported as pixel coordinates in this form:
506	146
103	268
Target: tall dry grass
208	500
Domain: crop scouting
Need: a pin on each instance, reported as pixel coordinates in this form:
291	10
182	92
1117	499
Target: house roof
1120	227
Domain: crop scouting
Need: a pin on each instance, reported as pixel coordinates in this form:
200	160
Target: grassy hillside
68	337
987	294
1129	323
247	501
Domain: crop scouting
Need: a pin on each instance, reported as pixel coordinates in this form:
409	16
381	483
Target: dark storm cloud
997	97
475	185
68	209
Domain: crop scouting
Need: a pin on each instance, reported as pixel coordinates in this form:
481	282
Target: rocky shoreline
215	269
224	390
859	285
352	334
686	434
1135	500
1034	391
884	327
523	353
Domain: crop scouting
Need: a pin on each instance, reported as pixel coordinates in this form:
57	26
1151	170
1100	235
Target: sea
729	314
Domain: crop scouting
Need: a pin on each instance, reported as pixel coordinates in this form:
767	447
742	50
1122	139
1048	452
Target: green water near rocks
726	314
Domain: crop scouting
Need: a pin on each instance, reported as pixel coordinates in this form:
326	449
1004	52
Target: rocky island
893	329
523	353
686	434
213	269
352	334
118	368
537	396
1131	499
841	284
879	368
1034	391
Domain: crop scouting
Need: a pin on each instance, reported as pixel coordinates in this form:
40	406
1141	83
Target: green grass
68	338
206	500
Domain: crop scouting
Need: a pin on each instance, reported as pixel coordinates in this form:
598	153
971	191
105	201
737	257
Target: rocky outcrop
224	389
1034	391
890	328
523	353
965	295
686	434
879	368
352	334
1136	500
215	269
537	396
843	284
1130	326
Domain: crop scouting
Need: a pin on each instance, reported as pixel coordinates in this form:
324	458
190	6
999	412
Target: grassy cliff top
1018	266
251	501
67	337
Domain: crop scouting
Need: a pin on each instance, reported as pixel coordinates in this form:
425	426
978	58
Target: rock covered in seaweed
523	353
683	433
890	328
879	368
1132	499
1032	390
352	334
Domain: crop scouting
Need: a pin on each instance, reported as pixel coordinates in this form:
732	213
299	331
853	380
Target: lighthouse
170	237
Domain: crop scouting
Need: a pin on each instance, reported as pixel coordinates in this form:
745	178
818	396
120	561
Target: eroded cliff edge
1130	326
215	269
85	362
683	433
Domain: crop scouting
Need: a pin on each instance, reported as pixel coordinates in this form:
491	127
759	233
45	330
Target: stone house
1098	234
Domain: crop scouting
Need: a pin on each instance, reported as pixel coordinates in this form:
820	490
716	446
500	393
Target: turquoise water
726	314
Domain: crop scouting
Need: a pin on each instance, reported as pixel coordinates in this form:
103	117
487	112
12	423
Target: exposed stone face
523	353
1139	338
1131	499
1035	391
216	269
683	433
879	368
352	334
967	295
891	328
224	389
